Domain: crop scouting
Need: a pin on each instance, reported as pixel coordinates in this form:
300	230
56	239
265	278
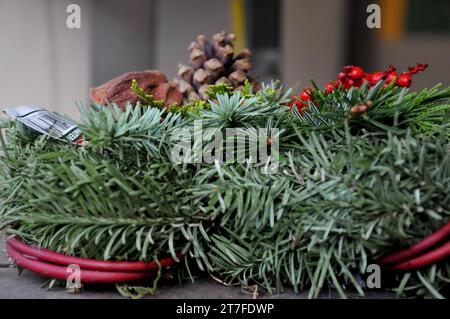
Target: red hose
60	272
418	248
432	257
84	263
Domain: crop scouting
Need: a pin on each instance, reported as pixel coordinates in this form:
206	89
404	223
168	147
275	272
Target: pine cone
213	63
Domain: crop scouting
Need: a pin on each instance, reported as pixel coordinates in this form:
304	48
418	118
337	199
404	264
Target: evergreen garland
350	188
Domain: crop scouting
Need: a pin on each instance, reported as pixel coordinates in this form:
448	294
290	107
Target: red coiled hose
399	260
84	263
54	265
432	257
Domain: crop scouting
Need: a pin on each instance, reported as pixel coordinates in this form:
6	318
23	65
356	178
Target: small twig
222	282
253	290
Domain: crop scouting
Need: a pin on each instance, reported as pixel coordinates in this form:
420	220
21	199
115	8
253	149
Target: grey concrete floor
29	285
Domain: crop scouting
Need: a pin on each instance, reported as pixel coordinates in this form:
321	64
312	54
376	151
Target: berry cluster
354	76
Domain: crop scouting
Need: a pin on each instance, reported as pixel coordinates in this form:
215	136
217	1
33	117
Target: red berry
356	73
358	82
299	105
391	76
404	80
294	102
391	69
305	95
341	75
329	88
348	68
375	77
348	83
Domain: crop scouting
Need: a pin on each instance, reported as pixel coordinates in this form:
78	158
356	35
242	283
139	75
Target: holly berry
348	83
391	69
297	103
341	75
356	73
329	88
348	68
404	80
359	82
391	76
305	95
375	77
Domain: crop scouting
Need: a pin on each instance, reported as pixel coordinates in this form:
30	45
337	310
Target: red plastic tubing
432	257
61	272
419	247
84	263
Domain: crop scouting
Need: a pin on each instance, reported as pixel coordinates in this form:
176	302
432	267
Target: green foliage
338	204
146	99
126	135
247	89
214	90
235	110
111	198
349	189
191	108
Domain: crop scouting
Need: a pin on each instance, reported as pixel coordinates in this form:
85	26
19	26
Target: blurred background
43	62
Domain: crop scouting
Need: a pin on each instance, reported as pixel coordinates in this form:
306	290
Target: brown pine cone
213	63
